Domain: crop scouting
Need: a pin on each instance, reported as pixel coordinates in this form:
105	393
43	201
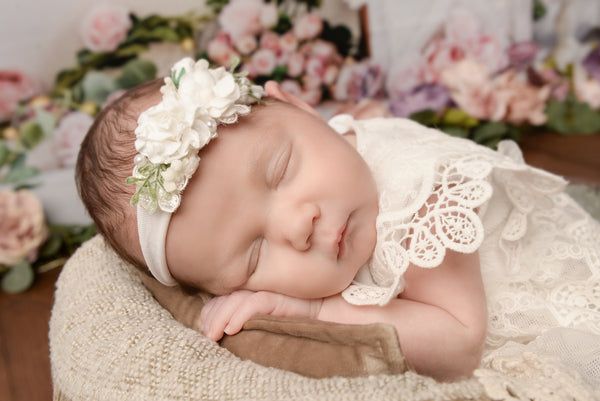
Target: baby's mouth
341	245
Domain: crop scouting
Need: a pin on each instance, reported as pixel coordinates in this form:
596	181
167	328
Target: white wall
41	37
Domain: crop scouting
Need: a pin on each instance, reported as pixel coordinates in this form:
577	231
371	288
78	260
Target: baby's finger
260	304
220	315
210	310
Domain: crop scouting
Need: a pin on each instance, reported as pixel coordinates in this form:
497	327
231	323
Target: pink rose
220	51
325	50
22	226
291	86
105	27
358	81
246	44
331	73
263	62
525	103
288	42
68	136
440	54
15	86
311	81
315	66
489	51
472	89
308	26
268	15
311	96
270	40
586	87
241	17
295	65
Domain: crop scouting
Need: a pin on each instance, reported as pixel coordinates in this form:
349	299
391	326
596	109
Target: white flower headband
169	135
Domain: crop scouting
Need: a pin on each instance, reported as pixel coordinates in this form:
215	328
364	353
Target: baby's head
277	201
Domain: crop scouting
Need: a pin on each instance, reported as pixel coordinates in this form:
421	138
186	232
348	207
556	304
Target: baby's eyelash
255	256
282	165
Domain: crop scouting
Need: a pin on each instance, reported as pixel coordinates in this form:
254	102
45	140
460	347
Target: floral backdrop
464	81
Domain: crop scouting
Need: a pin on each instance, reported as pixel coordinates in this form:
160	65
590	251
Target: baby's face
281	203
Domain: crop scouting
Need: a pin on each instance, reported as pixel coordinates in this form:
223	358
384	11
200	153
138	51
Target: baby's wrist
315	308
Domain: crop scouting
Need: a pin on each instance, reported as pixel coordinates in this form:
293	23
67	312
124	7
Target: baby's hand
227	314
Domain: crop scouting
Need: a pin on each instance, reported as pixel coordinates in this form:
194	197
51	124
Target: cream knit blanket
110	340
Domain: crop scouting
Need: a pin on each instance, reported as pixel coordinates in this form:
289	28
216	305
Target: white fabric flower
195	99
175	177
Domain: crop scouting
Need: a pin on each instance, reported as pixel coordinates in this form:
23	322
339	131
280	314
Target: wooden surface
24	353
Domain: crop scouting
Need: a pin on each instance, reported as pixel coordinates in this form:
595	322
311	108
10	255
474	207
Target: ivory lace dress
539	251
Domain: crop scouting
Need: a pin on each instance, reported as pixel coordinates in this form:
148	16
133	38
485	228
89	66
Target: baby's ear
274	90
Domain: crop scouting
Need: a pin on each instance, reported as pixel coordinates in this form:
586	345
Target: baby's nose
297	228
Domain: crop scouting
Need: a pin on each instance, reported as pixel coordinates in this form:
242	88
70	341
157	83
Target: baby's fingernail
227	329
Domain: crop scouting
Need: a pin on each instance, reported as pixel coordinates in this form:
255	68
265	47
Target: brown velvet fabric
308	347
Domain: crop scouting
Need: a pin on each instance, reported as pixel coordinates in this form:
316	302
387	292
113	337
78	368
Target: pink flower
359	80
22	226
331	73
311	81
315	66
288	42
522	54
525	103
220	51
489	51
270	40
263	62
241	17
441	54
291	86
68	136
586	88
105	27
312	96
472	89
246	44
295	65
268	15
15	86
308	26
325	50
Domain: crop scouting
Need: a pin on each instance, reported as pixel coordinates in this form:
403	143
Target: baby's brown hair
105	161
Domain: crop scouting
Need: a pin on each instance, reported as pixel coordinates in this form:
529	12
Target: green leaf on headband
176	77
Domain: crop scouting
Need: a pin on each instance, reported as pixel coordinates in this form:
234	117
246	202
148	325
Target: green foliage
572	117
136	72
539	9
18	278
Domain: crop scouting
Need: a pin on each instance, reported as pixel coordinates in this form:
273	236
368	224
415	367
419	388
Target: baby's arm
441	317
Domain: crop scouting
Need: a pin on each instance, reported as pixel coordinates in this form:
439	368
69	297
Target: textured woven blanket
111	340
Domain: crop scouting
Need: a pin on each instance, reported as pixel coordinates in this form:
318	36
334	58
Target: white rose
176	176
165	134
